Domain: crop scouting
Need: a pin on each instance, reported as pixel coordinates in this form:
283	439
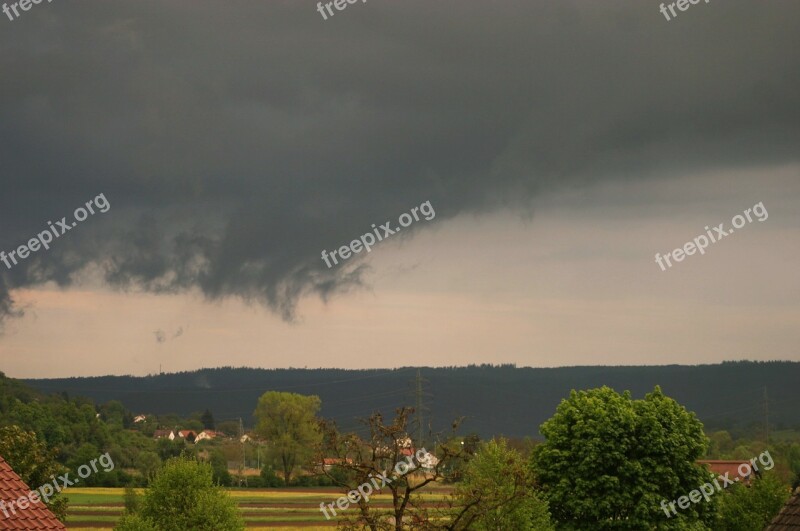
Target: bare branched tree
385	462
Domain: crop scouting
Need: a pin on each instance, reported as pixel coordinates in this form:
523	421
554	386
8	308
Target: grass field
273	509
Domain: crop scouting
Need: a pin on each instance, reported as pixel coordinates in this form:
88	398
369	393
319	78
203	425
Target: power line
420	409
766	413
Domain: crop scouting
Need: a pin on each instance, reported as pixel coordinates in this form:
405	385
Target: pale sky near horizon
574	284
561	144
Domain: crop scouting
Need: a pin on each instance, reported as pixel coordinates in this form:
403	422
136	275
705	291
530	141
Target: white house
164	434
205	435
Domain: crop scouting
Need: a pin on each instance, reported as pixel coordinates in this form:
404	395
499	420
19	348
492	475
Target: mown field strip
95	509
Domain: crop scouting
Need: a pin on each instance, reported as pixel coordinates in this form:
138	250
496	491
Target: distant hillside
494	399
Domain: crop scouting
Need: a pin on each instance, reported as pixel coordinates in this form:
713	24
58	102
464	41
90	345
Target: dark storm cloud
236	140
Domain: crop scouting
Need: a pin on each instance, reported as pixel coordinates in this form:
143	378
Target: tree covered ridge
727	396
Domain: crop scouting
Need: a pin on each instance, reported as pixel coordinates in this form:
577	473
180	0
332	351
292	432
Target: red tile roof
36	516
336	461
789	517
731	466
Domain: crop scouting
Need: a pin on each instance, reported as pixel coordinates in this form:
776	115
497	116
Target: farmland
274	509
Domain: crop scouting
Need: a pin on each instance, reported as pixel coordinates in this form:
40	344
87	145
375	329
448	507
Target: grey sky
235	141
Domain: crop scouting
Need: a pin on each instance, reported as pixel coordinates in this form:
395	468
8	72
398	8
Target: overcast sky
561	145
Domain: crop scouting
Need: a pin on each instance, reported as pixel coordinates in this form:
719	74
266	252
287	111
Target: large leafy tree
288	421
608	461
183	496
33	462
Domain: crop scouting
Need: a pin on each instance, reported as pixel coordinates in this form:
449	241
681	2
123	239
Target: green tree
132	522
721	443
608	461
167	448
470	444
289	423
207	419
743	508
113	413
147	464
33	462
83	456
183	496
220	467
132	500
497	492
269	477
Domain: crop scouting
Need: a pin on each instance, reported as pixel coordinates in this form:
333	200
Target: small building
164	434
330	462
428	462
206	435
189	435
733	467
139	418
34	515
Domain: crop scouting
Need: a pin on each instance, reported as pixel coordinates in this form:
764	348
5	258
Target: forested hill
493	399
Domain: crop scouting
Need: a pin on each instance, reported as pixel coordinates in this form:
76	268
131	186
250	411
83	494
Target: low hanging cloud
237	142
161	336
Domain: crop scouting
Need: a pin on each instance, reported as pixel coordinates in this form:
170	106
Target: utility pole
419	407
241	439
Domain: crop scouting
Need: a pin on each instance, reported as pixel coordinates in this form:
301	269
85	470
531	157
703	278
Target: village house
164	434
189	435
719	467
206	435
329	462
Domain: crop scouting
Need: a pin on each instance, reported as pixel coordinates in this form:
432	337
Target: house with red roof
329	462
19	510
189	435
737	470
206	435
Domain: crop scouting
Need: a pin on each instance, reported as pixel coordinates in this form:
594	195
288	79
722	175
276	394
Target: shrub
183	496
270	478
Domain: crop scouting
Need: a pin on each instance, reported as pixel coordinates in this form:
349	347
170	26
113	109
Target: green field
274	509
